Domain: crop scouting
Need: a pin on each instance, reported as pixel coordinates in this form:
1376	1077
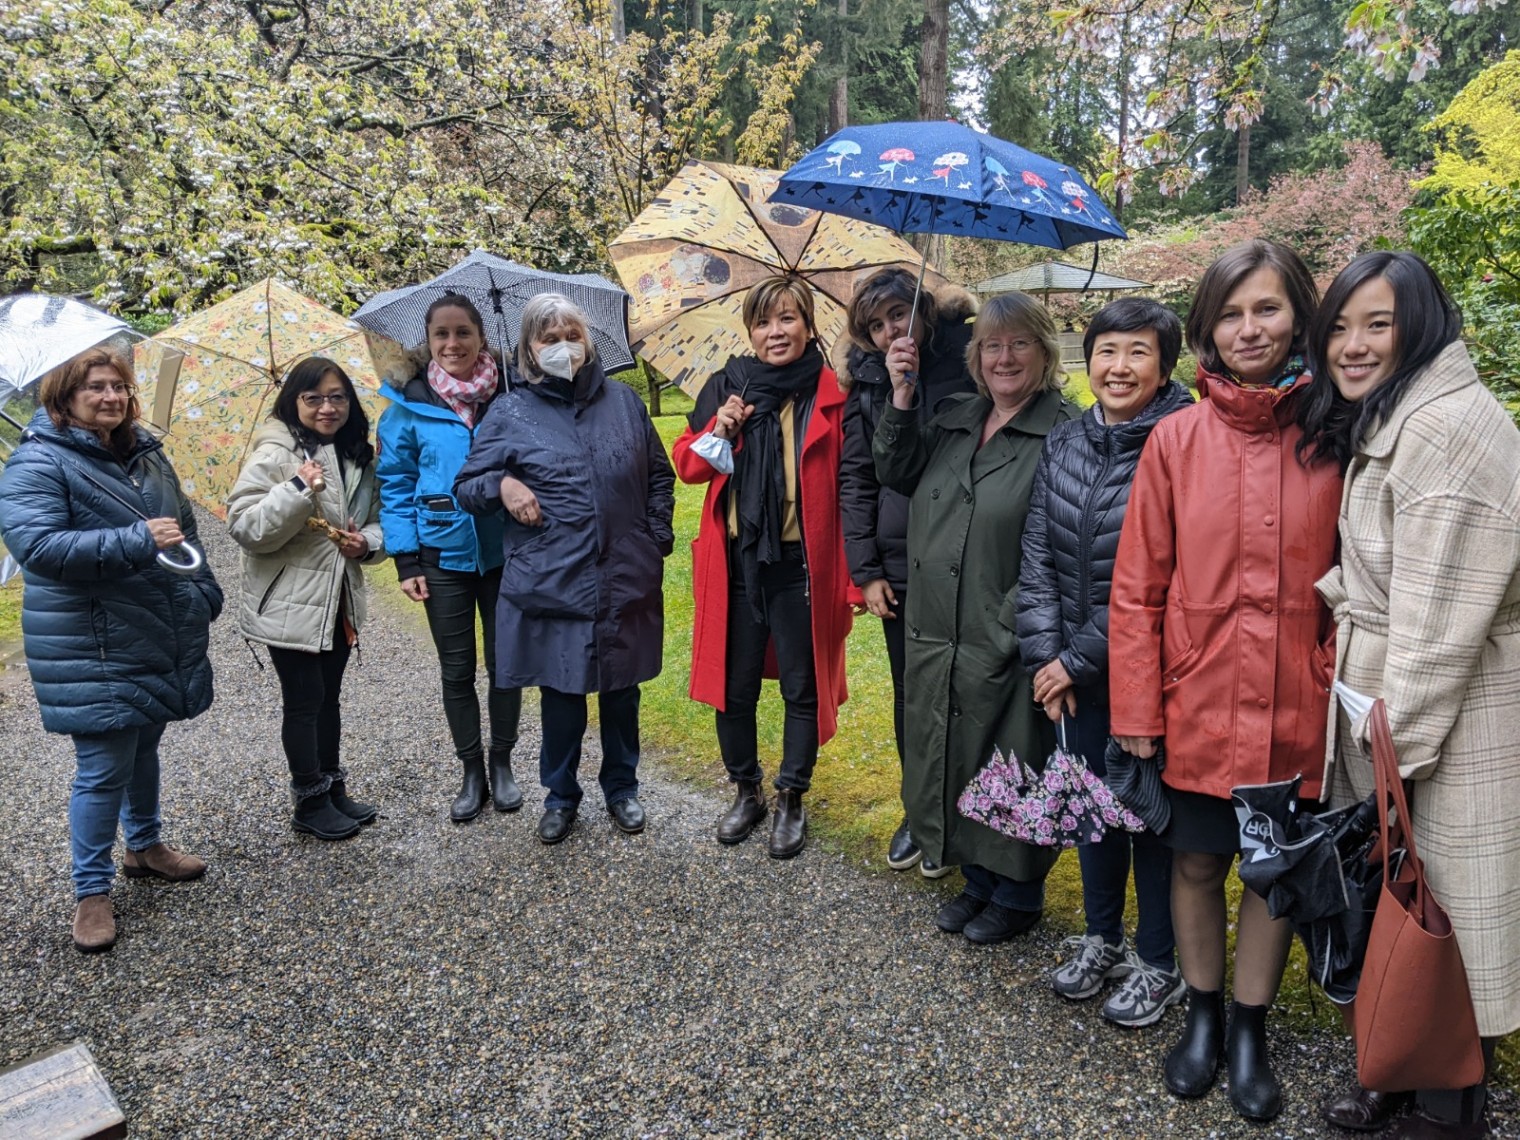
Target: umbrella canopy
945	178
1056	277
710	235
235	354
499	289
39	332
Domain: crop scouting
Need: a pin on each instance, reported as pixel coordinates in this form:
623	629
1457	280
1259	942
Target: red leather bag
1414	1020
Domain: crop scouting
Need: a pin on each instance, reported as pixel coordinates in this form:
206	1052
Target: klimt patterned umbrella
710	234
235	355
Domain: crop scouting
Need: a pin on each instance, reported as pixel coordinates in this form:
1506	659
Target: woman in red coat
1218	642
768	564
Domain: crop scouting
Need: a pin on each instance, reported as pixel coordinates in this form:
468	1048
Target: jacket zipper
269	591
1084	557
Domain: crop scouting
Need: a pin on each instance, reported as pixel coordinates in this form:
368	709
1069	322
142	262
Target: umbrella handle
181	559
1061	730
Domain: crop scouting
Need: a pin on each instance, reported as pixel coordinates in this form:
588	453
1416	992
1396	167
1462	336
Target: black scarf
759	480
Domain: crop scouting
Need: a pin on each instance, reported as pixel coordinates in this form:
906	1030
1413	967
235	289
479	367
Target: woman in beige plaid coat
1427	600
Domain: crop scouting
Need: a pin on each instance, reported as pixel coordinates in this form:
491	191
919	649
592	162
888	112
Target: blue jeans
115	775
1106	865
989	886
563	719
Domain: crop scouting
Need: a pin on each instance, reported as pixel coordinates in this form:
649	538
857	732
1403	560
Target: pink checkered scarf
465	396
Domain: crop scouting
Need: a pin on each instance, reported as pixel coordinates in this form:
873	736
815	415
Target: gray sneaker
1145	994
1094	962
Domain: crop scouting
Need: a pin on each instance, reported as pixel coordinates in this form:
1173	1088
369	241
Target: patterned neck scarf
465	396
1286	377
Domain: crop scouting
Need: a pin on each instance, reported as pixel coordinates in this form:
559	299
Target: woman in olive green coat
968	474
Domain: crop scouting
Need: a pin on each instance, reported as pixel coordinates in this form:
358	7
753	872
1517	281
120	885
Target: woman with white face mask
589	495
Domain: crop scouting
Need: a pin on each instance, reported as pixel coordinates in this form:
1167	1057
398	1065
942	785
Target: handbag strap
1385	763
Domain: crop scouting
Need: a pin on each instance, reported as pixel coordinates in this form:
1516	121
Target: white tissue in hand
1357	705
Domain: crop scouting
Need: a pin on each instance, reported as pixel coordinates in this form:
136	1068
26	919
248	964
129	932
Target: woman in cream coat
306	512
1427	601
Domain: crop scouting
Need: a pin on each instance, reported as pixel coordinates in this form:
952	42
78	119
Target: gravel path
432	980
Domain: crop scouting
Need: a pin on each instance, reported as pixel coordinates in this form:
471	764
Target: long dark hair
1222	278
1425	321
352	439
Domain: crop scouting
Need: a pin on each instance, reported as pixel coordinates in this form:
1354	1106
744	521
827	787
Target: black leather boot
1254	1090
745	815
471	799
315	815
1194	1061
789	828
357	810
505	794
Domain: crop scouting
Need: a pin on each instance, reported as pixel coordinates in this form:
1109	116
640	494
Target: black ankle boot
315	815
357	810
472	792
1194	1061
1254	1090
505	794
789	828
745	815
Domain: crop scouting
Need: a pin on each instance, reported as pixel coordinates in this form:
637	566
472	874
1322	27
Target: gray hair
542	313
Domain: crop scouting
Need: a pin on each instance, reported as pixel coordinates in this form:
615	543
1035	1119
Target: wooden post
59	1095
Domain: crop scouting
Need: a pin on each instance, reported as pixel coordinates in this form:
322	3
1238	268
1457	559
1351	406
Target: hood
41	427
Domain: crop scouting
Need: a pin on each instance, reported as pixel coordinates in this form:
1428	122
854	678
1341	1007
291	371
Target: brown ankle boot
163	862
789	829
94	924
745	815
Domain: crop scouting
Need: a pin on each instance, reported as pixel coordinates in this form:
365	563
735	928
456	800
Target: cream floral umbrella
234	355
708	236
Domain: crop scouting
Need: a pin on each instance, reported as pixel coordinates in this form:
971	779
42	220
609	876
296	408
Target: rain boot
1194	1061
472	796
1254	1090
505	794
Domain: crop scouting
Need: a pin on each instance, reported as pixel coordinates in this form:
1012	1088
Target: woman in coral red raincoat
768	564
1218	642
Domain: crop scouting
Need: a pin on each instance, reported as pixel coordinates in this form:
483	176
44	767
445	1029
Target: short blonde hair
762	299
539	315
1016	313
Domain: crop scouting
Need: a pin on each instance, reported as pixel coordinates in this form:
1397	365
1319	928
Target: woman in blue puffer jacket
115	643
1076	511
448	560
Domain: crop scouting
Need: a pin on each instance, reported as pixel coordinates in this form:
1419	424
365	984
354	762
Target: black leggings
311	730
454	597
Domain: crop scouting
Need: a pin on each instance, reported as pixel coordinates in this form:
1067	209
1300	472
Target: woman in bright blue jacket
115	642
448	560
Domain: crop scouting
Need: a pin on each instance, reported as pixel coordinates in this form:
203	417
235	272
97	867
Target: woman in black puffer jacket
1076	511
876	517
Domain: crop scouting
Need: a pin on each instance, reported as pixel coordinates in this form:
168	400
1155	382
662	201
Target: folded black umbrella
1137	784
1316	870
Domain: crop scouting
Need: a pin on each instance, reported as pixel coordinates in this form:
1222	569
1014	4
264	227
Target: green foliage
1478	135
1471	237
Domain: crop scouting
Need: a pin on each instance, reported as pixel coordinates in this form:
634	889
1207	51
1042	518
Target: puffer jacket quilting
1076	511
292	574
113	640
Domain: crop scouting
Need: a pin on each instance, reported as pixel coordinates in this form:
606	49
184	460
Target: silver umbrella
499	289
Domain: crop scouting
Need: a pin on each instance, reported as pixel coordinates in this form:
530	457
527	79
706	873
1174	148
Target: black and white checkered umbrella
499	289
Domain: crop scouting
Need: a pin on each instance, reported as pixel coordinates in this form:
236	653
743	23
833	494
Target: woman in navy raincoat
590	494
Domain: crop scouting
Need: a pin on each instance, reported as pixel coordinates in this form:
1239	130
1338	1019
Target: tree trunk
839	100
1123	117
654	395
933	90
619	25
694	15
1243	165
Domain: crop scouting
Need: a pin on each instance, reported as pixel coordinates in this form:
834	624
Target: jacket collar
42	428
1133	434
1250	410
1449	372
1037	417
588	385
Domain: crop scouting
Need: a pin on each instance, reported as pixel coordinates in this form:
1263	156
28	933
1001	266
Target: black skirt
1207	824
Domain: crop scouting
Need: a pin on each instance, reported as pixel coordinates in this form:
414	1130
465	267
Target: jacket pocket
269	590
98	622
552	574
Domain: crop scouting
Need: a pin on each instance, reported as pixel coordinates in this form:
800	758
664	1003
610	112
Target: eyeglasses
316	400
1018	345
96	390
